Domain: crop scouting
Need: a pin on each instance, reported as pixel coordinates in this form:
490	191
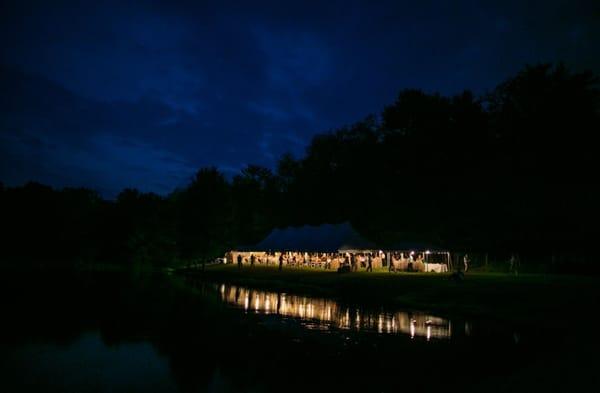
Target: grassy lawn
526	298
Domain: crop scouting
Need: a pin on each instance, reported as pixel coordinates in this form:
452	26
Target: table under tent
330	246
418	259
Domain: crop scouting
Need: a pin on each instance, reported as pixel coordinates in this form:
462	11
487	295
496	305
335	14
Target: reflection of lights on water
326	312
345	320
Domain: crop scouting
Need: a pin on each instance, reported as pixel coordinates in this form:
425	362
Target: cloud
50	135
159	87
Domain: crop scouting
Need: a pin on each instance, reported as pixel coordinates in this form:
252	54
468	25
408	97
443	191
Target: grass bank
528	298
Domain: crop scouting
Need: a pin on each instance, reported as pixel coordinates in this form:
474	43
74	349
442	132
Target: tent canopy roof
329	238
321	238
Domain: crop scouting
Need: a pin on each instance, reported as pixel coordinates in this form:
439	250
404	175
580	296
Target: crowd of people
340	261
330	261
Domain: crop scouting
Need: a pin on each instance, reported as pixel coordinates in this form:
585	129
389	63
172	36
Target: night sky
117	95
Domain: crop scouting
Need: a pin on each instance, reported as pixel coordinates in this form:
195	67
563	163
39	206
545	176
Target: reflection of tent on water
322	238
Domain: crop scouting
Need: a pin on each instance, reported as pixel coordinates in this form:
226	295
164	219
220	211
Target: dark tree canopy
512	171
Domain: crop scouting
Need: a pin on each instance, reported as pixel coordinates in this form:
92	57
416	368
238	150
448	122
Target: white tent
321	238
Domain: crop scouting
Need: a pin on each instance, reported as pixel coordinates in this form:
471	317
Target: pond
328	314
120	333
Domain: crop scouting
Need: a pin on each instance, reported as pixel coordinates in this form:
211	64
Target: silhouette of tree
205	215
511	172
255	194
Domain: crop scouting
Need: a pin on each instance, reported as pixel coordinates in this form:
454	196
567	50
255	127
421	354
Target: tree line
511	171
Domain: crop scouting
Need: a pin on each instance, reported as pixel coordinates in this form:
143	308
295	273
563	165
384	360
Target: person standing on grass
512	264
280	261
252	259
239	261
369	263
466	262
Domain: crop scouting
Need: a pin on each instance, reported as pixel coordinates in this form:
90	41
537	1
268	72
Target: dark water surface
332	316
118	333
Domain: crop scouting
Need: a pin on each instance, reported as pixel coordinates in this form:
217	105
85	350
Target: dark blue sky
119	94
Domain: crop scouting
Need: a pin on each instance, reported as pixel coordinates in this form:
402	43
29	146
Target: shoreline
528	299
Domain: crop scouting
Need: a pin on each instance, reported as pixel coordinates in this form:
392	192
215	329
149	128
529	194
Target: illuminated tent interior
330	246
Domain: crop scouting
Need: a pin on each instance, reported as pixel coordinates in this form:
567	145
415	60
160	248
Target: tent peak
314	238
